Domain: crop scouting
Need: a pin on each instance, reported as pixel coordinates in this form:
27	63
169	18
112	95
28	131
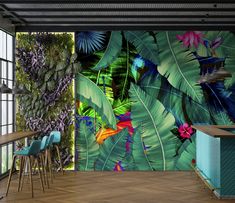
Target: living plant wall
139	92
45	67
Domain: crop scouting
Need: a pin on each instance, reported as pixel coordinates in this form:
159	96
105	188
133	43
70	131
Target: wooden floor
112	187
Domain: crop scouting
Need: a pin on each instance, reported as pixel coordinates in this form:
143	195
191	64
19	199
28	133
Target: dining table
14	136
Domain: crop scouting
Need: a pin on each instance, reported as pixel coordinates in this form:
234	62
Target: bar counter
215	158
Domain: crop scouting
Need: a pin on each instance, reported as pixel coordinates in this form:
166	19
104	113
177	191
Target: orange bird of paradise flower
103	134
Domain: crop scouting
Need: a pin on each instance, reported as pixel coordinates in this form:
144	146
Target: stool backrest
50	140
44	143
57	136
34	148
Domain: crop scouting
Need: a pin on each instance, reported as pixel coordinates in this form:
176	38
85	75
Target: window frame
8	99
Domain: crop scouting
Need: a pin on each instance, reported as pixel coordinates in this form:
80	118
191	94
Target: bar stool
56	141
48	162
42	157
25	155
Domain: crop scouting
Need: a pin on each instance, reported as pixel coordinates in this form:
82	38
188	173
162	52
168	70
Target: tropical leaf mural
89	41
112	151
87	146
144	44
186	154
178	65
111	52
89	92
176	102
156	122
144	91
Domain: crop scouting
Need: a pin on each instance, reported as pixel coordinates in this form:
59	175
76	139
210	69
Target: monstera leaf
156	123
112	151
88	91
178	65
179	104
225	50
144	44
187	152
88	148
111	52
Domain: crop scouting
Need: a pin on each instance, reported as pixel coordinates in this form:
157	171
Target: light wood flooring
115	187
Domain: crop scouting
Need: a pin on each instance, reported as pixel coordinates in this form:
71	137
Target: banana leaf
178	65
88	148
176	102
111	52
156	123
112	151
88	91
187	152
144	44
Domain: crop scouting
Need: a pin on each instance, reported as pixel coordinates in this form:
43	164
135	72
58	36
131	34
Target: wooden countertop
216	131
11	137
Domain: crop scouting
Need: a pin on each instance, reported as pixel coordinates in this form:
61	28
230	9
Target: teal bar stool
42	155
56	142
48	162
26	154
42	160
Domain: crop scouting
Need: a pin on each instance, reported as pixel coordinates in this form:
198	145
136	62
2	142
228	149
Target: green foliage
57	50
176	102
112	151
87	146
144	44
186	153
225	50
156	123
121	107
111	52
178	65
88	91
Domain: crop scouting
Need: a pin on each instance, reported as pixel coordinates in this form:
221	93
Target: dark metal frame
2	175
45	16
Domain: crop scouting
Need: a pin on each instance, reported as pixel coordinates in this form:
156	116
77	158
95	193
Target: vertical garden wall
139	92
45	67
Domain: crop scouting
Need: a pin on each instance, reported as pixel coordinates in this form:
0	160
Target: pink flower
191	38
185	130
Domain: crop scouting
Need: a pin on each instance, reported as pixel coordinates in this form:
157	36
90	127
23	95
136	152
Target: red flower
185	130
193	161
191	38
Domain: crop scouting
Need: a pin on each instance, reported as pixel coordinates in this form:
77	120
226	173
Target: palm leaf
187	153
112	151
121	107
156	123
144	44
178	65
175	102
120	70
88	91
111	52
88	148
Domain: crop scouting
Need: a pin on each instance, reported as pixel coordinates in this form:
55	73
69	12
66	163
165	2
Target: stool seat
23	152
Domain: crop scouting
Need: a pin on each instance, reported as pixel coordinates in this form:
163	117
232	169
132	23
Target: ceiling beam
112	1
108	27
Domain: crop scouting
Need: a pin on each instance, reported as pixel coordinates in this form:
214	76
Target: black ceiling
72	15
